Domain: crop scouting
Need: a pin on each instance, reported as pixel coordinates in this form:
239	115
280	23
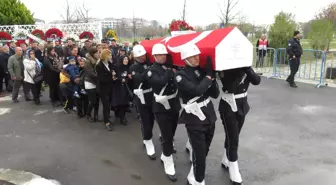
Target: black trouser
93	102
54	92
16	88
200	138
105	99
167	123
8	84
34	89
38	88
233	123
147	120
294	65
120	111
67	91
82	104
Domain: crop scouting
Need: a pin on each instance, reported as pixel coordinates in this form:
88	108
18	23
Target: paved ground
289	138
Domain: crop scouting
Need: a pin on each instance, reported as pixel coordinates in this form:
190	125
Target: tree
244	26
305	27
227	15
212	26
75	14
13	12
69	15
328	13
281	30
82	14
321	34
184	12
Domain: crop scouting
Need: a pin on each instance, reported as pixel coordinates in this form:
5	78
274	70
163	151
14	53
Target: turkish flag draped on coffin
228	47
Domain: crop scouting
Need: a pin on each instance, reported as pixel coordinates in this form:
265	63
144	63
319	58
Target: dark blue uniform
139	76
294	51
192	83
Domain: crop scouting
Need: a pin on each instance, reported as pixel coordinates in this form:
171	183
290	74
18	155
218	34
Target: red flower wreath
38	33
86	35
178	25
5	37
53	34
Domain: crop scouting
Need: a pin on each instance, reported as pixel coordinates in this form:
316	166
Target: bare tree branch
184	12
82	14
68	16
227	15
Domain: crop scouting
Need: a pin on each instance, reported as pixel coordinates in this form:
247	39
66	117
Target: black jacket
3	64
160	76
83	52
294	48
237	81
120	93
192	82
51	70
139	76
104	77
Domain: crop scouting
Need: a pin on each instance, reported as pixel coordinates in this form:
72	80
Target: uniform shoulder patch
289	44
149	73
133	72
178	78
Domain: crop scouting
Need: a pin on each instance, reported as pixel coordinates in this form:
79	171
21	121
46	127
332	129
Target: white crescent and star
178	49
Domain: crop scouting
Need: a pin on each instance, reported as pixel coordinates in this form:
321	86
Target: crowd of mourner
122	77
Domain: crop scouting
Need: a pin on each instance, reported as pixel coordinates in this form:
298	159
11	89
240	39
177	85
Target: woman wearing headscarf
32	67
90	83
52	69
121	94
82	100
104	73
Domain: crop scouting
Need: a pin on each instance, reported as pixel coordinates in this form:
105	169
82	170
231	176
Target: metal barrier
330	67
312	66
264	65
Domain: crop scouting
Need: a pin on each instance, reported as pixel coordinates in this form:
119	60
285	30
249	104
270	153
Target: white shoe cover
235	175
225	160
168	163
42	181
149	147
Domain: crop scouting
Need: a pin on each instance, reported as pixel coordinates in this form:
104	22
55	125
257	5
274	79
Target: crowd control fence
312	67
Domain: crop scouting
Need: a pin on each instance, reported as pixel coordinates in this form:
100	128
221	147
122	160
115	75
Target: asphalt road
289	138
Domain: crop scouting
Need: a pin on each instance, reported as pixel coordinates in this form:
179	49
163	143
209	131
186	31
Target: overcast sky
199	12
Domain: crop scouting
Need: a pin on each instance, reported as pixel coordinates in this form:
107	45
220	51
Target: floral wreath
20	36
179	25
38	33
5	37
53	34
111	34
86	35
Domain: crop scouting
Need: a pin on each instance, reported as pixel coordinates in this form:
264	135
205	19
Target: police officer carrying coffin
144	97
233	108
166	105
195	89
294	51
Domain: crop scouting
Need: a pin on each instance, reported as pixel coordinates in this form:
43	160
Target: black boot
89	118
293	84
123	121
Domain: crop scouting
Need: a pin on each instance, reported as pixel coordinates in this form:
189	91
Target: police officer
166	105
144	97
233	108
294	51
196	87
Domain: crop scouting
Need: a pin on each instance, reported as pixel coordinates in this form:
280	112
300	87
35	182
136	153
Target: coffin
228	47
